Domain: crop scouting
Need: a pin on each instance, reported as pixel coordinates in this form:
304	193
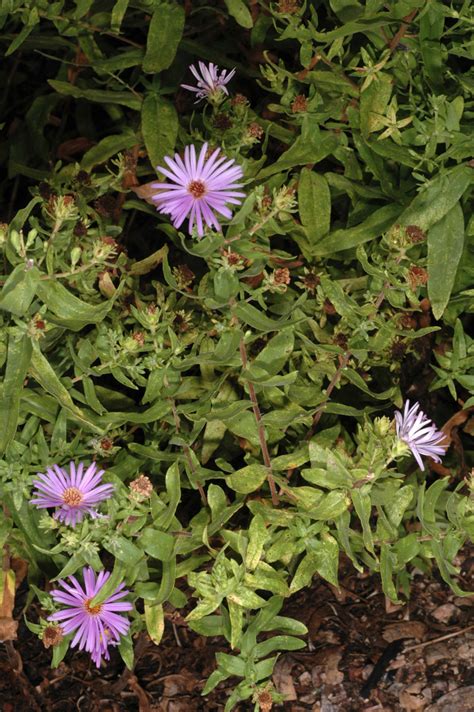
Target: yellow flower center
72	496
197	188
92	610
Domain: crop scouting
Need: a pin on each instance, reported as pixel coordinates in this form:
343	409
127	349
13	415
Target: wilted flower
419	433
211	83
200	188
74	493
95	627
52	635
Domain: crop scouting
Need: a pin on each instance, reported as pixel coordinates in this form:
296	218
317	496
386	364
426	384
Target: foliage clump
237	385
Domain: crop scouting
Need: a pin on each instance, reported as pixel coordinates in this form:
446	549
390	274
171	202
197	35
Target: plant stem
260	428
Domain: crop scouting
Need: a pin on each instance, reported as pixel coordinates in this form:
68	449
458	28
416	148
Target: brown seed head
255	130
415	233
288	7
142	486
417	276
139	337
239	100
52	635
299	104
222	121
282	276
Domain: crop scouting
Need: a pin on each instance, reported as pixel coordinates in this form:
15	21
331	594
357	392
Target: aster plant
199	187
211	82
96	627
73	494
419	433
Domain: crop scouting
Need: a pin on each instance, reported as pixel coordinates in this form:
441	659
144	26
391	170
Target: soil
363	654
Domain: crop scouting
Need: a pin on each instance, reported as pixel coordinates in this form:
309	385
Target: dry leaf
8	626
404	629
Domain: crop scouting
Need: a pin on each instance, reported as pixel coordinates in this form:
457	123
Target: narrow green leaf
314	203
18	360
101	96
155	621
107	147
159	127
373	226
445	247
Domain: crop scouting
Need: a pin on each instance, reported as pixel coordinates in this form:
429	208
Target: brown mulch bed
363	654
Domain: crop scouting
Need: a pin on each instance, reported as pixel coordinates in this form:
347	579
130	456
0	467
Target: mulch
363	654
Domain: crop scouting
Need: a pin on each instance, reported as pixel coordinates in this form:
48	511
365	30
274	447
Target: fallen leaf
404	629
460	700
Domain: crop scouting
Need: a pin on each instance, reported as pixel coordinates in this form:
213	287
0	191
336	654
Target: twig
395	41
343	361
260	428
438	640
187	452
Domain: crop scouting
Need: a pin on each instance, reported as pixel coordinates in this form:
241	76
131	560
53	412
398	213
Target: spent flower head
95	626
211	82
200	187
74	493
419	433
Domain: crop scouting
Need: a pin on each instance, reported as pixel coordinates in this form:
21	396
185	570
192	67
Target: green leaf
240	12
148	264
123	550
437	198
248	479
304	150
387	562
276	353
100	96
373	103
118	13
18	360
445	247
19	290
107	147
41	370
164	34
373	226
158	544
314	203
258	536
70	311
155	621
125	649
331	506
159	127
278	642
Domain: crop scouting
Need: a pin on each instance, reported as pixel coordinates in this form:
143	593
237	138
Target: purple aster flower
95	627
74	493
200	188
210	83
419	433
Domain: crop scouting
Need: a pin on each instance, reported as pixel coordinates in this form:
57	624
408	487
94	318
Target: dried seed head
222	121
299	104
239	100
288	7
52	635
142	486
254	130
415	234
282	276
417	276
